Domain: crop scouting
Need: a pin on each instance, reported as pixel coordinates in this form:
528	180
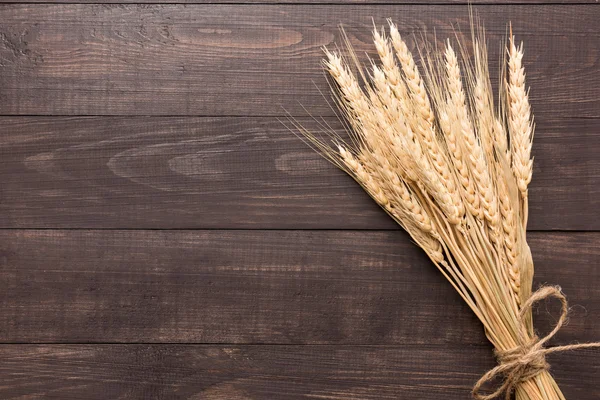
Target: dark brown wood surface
163	236
253	60
252	286
311	2
242	172
242	372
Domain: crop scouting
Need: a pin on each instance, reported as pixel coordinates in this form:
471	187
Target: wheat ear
451	121
424	124
520	123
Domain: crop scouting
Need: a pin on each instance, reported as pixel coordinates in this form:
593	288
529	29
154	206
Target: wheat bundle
432	149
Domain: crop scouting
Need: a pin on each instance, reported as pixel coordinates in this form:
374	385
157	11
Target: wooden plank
277	287
312	2
181	172
264	372
253	60
240	372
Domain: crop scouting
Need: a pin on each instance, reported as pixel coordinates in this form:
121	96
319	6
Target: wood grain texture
276	287
424	372
311	2
238	372
255	59
139	172
107	132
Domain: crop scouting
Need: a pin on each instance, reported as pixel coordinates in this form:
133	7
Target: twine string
529	359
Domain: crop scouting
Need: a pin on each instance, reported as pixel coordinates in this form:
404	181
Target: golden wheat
520	123
436	154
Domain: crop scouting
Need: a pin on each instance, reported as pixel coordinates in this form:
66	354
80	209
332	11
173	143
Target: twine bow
529	359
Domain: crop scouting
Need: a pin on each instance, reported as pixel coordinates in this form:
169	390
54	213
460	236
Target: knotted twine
529	359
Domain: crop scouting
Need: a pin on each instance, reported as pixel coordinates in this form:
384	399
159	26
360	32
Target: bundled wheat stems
433	150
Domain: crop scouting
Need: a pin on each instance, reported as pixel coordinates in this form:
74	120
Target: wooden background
162	236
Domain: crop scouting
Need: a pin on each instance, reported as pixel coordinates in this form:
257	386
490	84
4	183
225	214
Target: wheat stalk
432	150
